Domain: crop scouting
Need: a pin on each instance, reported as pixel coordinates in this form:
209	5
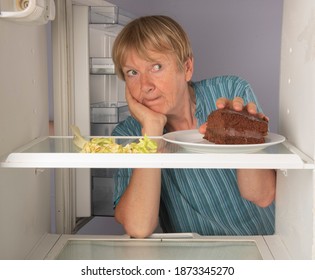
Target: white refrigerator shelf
60	152
158	246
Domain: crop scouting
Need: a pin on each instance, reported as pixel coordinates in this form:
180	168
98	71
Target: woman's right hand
152	122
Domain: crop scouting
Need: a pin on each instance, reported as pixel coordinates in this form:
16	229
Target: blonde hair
151	33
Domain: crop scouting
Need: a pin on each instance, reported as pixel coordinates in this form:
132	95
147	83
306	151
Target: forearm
138	208
257	185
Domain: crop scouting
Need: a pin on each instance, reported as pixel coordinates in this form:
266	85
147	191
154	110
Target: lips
151	102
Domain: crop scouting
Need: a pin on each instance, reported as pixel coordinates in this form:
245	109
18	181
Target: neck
185	117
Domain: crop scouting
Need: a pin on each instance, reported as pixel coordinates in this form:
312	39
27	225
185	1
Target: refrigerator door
24	194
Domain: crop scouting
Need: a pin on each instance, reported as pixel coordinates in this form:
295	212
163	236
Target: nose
146	83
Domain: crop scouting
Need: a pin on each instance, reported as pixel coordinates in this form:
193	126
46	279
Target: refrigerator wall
295	199
229	37
24	193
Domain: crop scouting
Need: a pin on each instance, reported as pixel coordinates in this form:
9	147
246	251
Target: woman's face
157	83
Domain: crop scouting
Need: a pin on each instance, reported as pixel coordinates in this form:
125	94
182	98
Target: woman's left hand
236	104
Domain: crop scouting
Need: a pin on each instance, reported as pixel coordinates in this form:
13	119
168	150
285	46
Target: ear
189	68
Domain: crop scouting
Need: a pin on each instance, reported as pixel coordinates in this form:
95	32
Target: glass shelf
158	246
108	15
108	29
165	250
109	19
102	66
109	112
60	152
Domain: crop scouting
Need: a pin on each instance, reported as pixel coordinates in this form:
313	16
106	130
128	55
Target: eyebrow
153	60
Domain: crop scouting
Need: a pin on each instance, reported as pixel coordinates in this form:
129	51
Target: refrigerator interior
95	29
26	172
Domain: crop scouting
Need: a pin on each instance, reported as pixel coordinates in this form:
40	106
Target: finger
202	128
127	94
131	100
238	103
223	102
263	117
133	104
251	108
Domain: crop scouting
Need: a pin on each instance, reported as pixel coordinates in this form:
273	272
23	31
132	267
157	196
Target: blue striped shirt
205	201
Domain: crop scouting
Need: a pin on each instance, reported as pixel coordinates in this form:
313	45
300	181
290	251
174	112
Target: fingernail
238	107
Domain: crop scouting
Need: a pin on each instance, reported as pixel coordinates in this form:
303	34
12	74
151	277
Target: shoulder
227	80
222	86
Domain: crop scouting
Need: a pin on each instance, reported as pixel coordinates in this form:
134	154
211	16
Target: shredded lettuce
108	145
145	145
78	140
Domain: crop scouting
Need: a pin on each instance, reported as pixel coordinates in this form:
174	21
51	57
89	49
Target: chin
158	110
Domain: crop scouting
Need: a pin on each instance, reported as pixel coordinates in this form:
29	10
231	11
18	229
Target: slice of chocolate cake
225	126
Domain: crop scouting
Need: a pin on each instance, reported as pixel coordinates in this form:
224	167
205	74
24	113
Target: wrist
154	127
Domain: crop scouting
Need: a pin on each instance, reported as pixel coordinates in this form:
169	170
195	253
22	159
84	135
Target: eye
156	67
132	73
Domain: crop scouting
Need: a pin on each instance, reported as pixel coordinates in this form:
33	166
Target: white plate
192	140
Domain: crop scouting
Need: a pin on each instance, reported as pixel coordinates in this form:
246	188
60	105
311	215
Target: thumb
202	128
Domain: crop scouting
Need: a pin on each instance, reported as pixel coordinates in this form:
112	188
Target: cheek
134	90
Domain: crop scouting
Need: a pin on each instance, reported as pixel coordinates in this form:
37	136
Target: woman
154	57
